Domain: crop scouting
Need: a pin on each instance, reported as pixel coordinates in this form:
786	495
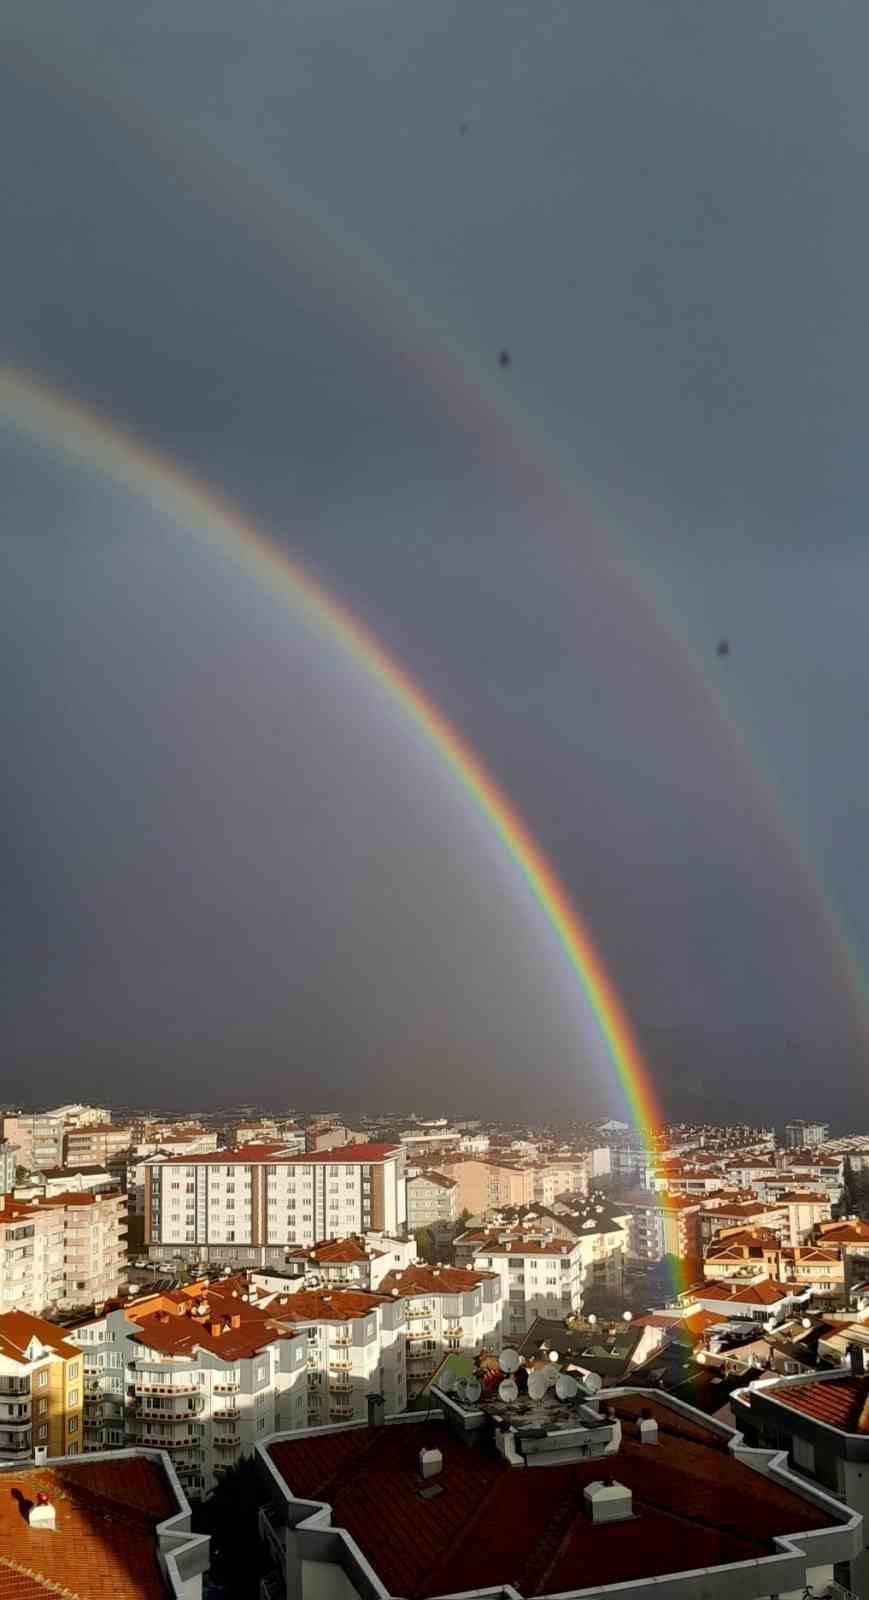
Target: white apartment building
553	1178
338	1264
539	1277
447	1309
205	1372
431	1199
248	1205
62	1250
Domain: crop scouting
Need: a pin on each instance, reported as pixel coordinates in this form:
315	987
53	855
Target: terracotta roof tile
695	1506
840	1402
104	1548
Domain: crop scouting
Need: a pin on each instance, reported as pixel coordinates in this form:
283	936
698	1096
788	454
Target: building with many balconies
41	1388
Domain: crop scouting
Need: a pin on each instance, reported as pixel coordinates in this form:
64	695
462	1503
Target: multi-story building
661	1225
539	1277
38	1136
431	1199
94	1144
351	1263
330	1136
643	1496
552	1178
62	1250
269	1130
820	1421
41	1388
447	1309
8	1165
485	1184
801	1135
204	1372
114	1526
248	1205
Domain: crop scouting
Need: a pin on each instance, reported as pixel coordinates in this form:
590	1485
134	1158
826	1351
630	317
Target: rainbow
44	414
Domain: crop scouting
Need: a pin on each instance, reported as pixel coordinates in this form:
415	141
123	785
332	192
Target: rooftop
841	1402
432	1280
105	1546
695	1506
253	1154
17	1331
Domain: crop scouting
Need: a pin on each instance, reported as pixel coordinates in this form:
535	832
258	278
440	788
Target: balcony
190	1408
340	1366
140	1387
419	1312
226	1388
340	1386
225	1441
421	1333
342	1339
231	1414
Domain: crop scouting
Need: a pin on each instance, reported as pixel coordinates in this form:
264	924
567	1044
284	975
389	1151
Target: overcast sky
256	235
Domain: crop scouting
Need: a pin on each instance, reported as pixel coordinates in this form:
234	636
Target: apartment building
431	1199
447	1309
820	1421
330	1136
38	1136
539	1277
246	1206
647	1496
205	1371
553	1178
801	1135
94	1144
8	1166
41	1388
269	1130
63	1250
484	1184
661	1225
352	1263
739	1210
745	1252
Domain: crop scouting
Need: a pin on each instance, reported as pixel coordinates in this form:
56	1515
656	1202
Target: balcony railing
230	1413
142	1388
342	1338
340	1366
226	1388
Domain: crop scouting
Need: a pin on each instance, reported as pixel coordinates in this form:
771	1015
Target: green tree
424	1244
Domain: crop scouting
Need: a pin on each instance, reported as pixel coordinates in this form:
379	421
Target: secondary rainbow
46	415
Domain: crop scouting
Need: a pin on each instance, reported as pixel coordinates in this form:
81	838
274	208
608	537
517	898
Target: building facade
248	1205
41	1389
63	1250
432	1198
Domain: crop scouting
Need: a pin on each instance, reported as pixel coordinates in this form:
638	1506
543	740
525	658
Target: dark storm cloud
661	211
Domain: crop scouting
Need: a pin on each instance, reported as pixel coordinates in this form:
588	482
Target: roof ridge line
38	1577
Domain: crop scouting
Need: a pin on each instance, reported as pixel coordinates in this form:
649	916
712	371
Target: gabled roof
433	1280
19	1328
840	1402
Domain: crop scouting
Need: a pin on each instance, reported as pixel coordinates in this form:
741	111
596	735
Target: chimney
216	1330
608	1501
648	1427
376	1410
855	1351
235	1320
431	1462
40	1455
42	1514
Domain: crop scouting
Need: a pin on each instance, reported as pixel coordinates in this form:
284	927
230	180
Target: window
72	1450
73	1371
42	1432
72	1425
42	1380
72	1397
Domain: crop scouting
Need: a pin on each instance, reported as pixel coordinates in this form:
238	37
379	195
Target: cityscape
434	1040
220	1298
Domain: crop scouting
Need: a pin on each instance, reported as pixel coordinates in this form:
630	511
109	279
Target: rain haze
283	246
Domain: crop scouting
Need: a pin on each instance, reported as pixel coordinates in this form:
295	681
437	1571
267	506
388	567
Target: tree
424	1244
231	1516
464	1217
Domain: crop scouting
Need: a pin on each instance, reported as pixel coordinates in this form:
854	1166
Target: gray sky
232	864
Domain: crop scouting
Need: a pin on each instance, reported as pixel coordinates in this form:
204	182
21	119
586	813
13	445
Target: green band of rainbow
43	413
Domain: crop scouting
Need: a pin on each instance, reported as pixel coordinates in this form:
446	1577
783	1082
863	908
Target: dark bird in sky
724	647
504	358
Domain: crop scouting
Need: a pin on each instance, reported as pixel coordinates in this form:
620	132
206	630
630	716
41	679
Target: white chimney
42	1514
430	1463
608	1501
648	1430
40	1455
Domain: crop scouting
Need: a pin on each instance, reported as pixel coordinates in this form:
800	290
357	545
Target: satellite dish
508	1391
627	1316
537	1385
551	1376
554	1356
509	1360
566	1387
448	1381
591	1382
473	1390
592	1320
806	1322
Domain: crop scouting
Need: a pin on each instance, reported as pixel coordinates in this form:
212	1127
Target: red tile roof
695	1506
105	1545
327	1305
432	1280
840	1402
17	1328
253	1154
